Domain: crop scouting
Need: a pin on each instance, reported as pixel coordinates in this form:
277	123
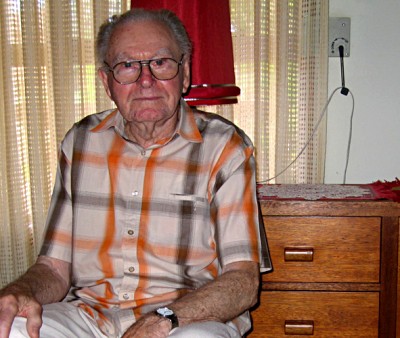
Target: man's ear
186	76
103	75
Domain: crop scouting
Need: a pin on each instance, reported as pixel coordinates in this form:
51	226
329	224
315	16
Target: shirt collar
186	128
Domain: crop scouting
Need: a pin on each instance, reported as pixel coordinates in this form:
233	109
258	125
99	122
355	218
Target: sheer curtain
47	82
280	52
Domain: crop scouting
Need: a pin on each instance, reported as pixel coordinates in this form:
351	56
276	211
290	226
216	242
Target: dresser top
317	192
376	199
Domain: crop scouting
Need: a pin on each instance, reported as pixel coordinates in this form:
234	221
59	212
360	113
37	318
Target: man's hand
149	326
47	281
14	302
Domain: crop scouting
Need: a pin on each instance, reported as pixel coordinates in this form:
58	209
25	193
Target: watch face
164	311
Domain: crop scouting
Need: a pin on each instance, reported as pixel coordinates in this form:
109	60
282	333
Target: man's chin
149	115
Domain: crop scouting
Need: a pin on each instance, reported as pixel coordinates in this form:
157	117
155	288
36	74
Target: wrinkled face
147	99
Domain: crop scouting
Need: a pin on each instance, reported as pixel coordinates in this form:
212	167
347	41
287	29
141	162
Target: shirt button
125	296
131	269
130	232
135	193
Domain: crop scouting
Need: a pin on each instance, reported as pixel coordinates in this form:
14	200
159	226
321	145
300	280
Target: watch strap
171	317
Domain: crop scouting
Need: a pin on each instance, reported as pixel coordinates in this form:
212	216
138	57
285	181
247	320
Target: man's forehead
146	26
134	41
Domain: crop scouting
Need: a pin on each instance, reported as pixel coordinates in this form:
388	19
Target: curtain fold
48	80
281	67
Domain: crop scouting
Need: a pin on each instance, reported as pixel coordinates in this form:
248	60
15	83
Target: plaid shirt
142	227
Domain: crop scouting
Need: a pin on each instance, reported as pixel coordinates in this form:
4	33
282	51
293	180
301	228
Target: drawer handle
299	254
299	327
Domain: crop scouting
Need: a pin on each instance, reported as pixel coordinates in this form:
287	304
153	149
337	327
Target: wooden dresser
335	269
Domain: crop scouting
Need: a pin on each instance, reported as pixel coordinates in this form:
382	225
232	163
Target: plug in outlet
339	35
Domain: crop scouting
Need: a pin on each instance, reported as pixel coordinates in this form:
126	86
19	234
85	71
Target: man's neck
147	134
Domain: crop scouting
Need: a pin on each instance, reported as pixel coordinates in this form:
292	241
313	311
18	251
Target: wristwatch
169	314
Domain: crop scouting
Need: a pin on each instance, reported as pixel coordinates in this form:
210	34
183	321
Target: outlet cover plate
339	35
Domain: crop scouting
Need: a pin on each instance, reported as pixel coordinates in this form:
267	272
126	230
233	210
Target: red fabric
209	27
387	190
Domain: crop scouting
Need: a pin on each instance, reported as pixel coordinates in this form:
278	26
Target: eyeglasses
127	72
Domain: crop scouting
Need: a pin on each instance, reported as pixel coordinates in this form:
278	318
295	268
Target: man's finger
5	325
8	310
34	320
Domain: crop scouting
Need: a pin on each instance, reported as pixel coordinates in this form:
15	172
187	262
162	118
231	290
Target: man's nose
146	77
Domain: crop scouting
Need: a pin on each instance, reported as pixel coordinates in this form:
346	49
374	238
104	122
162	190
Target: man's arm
232	293
47	281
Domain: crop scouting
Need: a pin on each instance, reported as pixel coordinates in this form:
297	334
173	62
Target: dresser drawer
324	249
316	314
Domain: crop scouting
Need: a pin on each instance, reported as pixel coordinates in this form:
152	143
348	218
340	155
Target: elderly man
153	226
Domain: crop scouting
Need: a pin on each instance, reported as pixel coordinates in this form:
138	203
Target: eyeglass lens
162	69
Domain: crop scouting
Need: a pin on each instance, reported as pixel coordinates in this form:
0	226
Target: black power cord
344	90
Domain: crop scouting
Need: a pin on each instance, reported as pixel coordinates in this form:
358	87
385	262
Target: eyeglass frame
144	63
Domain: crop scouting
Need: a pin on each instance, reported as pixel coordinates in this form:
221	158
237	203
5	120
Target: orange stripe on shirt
113	161
229	149
249	208
58	236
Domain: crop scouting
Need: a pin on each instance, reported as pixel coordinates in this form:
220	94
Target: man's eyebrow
121	57
161	53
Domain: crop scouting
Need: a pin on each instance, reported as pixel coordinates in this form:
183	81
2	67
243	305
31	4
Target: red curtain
209	27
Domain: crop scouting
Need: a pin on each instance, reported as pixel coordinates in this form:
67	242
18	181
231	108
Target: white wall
372	73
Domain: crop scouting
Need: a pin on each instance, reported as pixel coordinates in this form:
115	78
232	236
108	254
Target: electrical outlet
339	35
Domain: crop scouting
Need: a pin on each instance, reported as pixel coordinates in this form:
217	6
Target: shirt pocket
192	204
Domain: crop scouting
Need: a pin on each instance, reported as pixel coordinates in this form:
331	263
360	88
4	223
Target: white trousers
64	320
